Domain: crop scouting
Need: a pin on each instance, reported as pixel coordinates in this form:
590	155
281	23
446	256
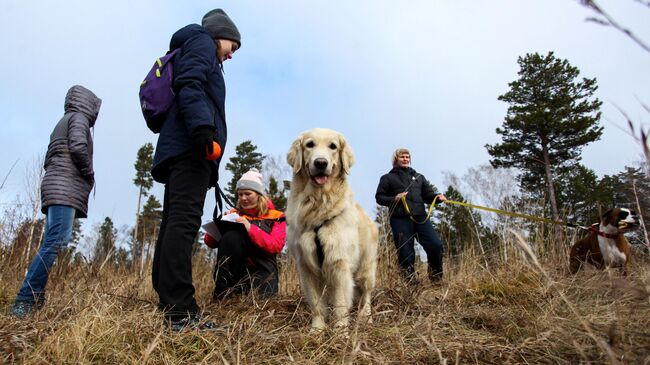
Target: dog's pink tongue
320	180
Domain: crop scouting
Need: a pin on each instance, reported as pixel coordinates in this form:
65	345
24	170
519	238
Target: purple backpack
156	92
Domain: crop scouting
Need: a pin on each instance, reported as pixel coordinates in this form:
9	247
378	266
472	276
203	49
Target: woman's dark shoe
23	308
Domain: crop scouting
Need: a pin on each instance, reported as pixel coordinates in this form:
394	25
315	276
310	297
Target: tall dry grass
494	308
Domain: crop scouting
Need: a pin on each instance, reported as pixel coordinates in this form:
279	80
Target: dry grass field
503	308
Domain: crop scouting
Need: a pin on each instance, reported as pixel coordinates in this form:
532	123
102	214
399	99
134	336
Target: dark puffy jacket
69	175
398	180
200	97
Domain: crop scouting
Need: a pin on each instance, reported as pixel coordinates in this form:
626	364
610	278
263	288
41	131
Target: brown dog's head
320	154
622	218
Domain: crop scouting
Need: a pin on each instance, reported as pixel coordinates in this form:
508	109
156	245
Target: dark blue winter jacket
200	97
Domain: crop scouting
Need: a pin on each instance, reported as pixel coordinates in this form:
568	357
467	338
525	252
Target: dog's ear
346	156
294	156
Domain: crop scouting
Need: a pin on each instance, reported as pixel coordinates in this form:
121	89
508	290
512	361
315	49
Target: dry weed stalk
607	20
551	284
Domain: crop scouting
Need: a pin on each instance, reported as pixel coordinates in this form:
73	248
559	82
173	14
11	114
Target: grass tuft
517	306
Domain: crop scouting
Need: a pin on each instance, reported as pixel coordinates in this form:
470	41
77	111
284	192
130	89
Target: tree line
552	115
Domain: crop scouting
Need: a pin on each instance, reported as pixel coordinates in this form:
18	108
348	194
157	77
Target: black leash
319	246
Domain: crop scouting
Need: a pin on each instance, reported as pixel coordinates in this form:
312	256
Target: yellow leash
513	214
406	206
493	210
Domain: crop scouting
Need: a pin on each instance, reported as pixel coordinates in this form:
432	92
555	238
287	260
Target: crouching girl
247	258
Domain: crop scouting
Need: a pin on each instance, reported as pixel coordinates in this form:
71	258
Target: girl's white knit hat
251	180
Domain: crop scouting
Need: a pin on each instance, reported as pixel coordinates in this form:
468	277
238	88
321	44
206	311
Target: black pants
171	275
241	265
404	231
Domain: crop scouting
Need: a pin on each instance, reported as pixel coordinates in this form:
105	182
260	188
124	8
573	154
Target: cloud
419	74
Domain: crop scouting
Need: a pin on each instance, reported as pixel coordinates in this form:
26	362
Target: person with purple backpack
185	161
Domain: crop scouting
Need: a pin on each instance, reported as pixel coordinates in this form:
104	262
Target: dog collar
594	228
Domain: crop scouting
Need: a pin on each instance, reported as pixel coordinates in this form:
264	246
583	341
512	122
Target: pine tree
148	225
144	181
76	233
105	244
277	173
631	186
581	195
458	225
551	117
76	236
246	157
278	196
26	239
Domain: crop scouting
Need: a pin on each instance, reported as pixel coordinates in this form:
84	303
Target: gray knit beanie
251	180
219	25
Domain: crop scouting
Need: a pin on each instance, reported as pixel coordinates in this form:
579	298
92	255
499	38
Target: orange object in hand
216	152
210	241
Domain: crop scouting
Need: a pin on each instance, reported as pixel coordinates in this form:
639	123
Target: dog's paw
365	319
342	324
317	325
364	315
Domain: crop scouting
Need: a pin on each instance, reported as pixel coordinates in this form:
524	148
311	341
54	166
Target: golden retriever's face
320	154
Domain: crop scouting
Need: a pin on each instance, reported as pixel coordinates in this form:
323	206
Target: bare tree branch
7	175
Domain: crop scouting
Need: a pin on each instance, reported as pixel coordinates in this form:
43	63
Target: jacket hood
185	33
81	100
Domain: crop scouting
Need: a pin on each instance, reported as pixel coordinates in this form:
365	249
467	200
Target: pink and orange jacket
268	232
271	239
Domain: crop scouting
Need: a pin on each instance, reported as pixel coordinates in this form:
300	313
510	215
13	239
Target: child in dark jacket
183	159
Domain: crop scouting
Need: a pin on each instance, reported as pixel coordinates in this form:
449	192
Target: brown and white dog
606	245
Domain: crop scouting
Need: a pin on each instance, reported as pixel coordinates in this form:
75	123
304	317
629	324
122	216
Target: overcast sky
418	74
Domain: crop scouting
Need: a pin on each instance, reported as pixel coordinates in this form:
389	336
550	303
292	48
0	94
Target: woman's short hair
397	153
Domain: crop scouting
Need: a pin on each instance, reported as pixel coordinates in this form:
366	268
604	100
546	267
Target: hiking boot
23	308
412	281
435	276
192	323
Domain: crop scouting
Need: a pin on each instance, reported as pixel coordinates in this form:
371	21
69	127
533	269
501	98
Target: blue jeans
404	231
58	231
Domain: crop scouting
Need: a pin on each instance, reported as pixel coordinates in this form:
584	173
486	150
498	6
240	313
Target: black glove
202	138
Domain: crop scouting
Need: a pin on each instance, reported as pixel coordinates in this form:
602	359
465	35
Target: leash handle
408	210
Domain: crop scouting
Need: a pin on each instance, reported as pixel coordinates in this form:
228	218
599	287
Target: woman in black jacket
405	192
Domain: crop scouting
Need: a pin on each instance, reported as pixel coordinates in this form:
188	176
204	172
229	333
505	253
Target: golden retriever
332	239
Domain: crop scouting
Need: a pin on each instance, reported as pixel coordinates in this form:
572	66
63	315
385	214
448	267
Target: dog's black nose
320	163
